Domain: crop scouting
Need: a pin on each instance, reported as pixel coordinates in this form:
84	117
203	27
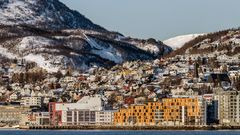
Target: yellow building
168	112
140	115
181	111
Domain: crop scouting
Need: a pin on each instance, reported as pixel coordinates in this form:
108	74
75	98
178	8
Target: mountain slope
77	49
50	14
226	42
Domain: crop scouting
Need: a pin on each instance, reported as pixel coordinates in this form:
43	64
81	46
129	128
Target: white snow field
179	41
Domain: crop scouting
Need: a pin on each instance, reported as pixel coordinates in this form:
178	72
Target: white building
78	113
32	101
105	117
228	107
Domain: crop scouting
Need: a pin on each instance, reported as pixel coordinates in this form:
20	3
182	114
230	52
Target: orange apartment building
169	112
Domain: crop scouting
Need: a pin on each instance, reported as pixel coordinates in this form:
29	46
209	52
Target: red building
55	114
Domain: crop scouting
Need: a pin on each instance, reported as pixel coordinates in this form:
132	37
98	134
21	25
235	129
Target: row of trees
29	77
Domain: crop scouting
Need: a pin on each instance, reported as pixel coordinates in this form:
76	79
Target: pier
91	127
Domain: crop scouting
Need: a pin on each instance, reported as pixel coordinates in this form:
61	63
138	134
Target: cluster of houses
182	90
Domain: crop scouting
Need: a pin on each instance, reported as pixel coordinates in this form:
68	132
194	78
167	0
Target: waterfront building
182	111
34	119
81	112
228	107
105	117
12	114
89	117
136	115
169	112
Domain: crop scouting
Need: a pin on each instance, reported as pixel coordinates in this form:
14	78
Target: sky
160	19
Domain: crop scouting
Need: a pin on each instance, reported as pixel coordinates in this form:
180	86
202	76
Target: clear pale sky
160	19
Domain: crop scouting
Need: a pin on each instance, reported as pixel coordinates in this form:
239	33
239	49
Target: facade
212	112
168	112
212	109
80	117
84	117
136	115
12	114
228	107
34	119
105	117
42	118
182	111
55	113
72	113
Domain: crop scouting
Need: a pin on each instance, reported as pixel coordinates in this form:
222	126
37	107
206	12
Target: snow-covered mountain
54	37
179	41
43	14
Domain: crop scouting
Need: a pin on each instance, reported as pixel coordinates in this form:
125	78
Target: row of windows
69	119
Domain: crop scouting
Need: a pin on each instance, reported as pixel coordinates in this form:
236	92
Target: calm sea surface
23	132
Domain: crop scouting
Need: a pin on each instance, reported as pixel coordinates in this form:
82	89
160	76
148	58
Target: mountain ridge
48	14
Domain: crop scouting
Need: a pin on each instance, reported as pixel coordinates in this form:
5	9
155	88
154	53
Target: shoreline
150	128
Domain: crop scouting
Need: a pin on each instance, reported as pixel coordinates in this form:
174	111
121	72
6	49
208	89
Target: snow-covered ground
33	42
42	62
6	53
17	10
179	41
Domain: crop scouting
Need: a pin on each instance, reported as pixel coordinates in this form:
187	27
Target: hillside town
184	90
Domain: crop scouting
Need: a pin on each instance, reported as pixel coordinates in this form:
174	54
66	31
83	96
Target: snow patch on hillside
152	48
108	53
92	43
33	42
16	9
42	62
6	53
179	41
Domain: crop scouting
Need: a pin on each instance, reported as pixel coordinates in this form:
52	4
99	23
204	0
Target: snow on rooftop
179	41
93	103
